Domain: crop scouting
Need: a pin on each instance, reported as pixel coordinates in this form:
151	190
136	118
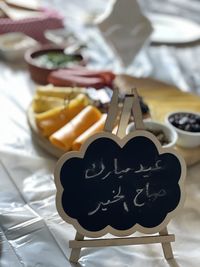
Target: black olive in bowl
187	126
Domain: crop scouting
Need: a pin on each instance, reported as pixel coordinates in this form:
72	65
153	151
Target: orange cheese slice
65	137
95	128
50	121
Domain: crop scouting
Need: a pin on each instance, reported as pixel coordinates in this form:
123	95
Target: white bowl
168	131
14	44
185	138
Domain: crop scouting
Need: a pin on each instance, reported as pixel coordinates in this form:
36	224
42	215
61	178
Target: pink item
33	27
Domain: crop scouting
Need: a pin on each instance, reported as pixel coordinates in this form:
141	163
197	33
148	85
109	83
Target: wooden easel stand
131	100
123	241
164	238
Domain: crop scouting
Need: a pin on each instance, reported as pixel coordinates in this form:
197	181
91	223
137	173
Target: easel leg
75	253
167	248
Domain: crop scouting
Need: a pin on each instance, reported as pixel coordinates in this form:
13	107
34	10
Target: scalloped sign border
121	143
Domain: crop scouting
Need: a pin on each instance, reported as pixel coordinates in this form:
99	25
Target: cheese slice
50	121
95	128
62	92
44	103
65	137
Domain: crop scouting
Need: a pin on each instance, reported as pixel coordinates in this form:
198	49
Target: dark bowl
40	73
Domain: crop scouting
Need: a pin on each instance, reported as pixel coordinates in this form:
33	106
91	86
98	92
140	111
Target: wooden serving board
161	99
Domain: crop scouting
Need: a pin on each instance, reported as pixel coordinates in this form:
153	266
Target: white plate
173	30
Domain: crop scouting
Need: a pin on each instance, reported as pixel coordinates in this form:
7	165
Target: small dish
165	134
13	45
186	137
61	36
40	67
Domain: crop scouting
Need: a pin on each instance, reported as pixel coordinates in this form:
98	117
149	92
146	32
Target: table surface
31	232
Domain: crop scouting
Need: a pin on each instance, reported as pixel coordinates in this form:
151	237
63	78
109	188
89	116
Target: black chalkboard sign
119	185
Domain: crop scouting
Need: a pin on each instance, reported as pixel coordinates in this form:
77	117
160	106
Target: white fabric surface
31	232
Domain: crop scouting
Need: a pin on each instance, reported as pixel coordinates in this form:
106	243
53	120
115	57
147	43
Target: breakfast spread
68	116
